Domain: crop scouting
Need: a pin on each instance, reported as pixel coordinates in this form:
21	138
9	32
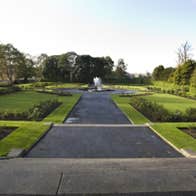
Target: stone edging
122	112
38	140
22	152
181	151
72	109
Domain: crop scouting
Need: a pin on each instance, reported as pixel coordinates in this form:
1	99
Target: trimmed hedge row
10	89
157	113
179	92
37	112
54	92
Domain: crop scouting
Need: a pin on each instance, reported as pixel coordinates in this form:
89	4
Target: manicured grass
23	137
133	115
172	102
125	87
60	113
66	85
177	137
22	101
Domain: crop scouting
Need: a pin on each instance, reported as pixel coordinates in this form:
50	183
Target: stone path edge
100	125
116	105
181	151
37	141
72	109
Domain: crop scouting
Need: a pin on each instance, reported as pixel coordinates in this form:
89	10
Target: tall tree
25	68
121	68
183	73
157	72
184	53
10	59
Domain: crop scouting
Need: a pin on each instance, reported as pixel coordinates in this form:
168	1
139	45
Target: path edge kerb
72	108
37	141
181	151
116	105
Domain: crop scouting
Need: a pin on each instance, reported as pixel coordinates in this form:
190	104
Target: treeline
16	66
71	67
184	74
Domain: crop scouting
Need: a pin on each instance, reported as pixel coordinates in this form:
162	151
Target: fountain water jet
98	83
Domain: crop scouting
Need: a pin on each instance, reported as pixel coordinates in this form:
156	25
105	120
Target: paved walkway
163	177
102	142
97	108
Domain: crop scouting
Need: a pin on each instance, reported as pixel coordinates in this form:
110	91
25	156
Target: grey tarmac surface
97	108
154	177
101	142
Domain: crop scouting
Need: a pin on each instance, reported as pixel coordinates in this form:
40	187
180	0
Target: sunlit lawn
23	137
172	102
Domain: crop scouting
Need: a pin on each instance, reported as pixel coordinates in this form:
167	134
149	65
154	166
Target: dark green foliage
89	67
85	68
50	70
157	72
9	89
184	72
153	111
37	113
54	92
191	114
162	74
25	69
157	113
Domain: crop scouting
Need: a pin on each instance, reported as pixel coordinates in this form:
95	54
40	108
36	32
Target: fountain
98	83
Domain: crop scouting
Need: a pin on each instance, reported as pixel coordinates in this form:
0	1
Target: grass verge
60	113
174	135
132	114
23	137
171	102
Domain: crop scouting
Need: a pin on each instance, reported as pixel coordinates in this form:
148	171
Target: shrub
10	89
191	114
55	92
152	110
157	113
37	112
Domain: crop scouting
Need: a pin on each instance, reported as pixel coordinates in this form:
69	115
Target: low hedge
54	92
11	89
157	113
37	112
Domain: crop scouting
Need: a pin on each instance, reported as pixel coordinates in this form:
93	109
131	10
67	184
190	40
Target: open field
23	137
172	102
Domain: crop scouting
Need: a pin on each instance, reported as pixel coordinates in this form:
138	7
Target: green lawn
60	113
132	114
28	132
66	85
22	101
125	87
23	137
177	137
172	102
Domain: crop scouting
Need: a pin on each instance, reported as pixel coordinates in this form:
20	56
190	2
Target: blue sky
145	33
